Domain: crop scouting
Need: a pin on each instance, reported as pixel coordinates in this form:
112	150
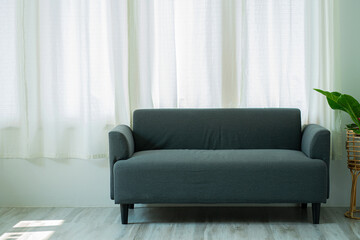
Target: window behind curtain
71	70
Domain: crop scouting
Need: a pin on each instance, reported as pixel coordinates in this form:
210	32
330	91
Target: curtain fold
71	70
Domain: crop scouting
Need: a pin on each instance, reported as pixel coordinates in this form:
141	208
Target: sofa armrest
121	147
315	143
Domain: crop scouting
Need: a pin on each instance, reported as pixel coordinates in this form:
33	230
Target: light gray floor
175	223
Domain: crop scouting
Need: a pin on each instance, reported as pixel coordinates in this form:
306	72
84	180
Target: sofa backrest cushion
243	128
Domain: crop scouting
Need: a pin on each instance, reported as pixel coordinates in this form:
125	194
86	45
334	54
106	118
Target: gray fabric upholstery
121	146
217	129
315	143
220	176
219	156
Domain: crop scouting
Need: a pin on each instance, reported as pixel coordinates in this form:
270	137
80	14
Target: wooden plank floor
175	223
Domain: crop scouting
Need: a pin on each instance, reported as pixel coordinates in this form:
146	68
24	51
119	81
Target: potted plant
351	106
346	103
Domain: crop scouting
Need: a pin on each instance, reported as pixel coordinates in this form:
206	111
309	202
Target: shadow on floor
223	214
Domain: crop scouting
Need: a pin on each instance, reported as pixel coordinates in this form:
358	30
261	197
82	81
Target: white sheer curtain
71	70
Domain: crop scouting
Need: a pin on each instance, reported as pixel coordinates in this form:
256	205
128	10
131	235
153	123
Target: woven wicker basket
353	150
353	153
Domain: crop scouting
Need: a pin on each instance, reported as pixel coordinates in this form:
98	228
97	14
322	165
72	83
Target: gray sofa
212	156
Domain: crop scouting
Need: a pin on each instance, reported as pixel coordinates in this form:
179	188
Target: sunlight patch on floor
38	235
28	230
39	223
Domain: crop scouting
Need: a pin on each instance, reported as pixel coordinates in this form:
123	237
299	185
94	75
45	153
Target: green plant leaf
352	107
357	131
351	126
346	103
351	103
332	98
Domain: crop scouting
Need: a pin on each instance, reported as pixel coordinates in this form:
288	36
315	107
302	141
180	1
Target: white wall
48	182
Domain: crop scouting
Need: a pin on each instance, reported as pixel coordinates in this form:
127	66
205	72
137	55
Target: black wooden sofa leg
303	205
124	209
316	212
131	206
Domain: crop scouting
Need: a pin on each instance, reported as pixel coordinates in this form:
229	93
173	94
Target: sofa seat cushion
220	176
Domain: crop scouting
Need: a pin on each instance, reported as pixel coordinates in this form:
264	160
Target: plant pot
353	154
